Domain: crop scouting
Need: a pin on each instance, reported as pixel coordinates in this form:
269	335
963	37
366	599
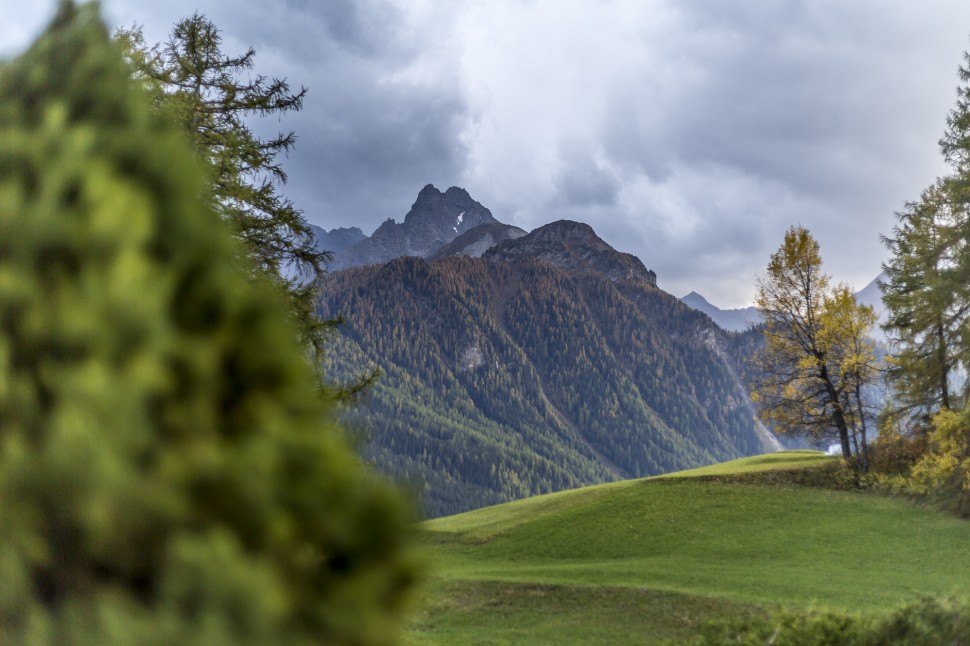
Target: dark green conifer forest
504	380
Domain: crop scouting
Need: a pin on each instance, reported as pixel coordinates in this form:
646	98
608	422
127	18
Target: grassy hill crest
648	560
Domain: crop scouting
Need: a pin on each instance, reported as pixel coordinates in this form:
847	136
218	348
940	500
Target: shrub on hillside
893	453
943	472
167	473
929	622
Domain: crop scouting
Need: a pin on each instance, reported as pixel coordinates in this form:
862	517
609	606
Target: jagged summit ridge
451	223
434	220
337	239
437	218
576	247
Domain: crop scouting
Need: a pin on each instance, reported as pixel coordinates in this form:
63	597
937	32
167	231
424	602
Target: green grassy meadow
646	561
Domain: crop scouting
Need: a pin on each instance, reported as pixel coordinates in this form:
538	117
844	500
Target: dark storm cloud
368	163
375	125
382	116
689	132
365	28
582	182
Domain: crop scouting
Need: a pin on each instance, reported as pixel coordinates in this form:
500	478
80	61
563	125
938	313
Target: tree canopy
818	357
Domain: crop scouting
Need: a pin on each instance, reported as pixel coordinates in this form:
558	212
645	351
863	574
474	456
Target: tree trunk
862	455
941	357
838	416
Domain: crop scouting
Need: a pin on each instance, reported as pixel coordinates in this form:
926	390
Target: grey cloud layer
688	132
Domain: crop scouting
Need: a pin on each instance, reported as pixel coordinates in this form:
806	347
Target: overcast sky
691	133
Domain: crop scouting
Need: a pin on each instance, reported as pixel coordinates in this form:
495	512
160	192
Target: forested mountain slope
531	370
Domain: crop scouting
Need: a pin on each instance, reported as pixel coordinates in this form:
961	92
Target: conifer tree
926	300
166	475
927	294
213	95
955	143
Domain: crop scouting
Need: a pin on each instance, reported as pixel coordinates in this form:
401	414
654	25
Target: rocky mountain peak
458	193
435	219
576	247
428	191
696	301
454	211
336	239
387	225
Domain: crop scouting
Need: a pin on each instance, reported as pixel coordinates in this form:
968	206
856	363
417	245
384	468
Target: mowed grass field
648	561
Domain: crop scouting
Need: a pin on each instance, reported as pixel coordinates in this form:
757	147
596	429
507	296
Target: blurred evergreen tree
166	474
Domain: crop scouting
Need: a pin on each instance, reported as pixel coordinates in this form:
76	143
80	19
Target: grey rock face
434	220
337	239
576	247
477	241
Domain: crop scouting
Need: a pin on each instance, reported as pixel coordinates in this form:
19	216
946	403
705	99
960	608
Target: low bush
928	622
893	453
